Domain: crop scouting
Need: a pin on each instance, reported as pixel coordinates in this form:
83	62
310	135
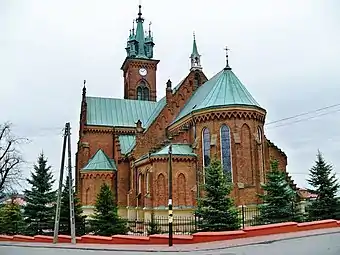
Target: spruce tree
39	210
153	227
279	200
11	220
106	221
216	210
325	185
65	225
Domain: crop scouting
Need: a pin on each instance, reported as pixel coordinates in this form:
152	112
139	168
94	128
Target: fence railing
248	215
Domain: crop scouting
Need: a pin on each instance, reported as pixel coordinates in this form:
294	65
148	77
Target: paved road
327	244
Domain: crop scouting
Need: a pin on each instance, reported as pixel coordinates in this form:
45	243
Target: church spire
140	45
195	57
140	34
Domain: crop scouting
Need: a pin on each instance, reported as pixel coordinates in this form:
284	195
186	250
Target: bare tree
10	157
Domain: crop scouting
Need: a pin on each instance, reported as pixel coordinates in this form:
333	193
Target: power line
303	114
305	119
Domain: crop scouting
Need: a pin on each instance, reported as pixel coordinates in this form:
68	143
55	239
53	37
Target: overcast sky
285	52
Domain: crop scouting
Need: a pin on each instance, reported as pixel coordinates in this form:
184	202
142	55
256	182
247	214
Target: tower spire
140	43
140	34
227	67
195	56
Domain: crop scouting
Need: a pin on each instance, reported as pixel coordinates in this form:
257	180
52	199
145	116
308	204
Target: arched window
139	183
143	92
206	147
147	182
225	148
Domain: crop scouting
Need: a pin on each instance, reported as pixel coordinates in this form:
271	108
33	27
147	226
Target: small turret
195	57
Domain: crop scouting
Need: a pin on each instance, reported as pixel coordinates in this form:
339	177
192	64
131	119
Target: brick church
125	142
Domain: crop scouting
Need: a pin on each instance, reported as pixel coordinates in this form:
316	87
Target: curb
277	238
196	238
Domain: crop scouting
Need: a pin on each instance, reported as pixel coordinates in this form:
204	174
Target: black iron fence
248	215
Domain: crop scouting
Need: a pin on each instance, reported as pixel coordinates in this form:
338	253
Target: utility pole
67	138
72	218
170	195
57	214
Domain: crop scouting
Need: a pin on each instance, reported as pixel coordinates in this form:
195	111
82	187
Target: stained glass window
226	149
206	147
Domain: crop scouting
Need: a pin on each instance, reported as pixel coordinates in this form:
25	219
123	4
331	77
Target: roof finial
194	35
133	27
227	58
84	89
150	29
139	11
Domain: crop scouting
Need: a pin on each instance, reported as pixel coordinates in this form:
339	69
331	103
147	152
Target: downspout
115	181
197	174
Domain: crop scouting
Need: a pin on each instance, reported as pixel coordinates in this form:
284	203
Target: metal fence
186	225
248	215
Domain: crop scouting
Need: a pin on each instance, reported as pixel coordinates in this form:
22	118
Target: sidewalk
178	247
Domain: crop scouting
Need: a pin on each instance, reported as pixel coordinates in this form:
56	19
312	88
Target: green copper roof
224	89
127	142
177	150
140	45
160	105
118	112
100	162
140	38
194	48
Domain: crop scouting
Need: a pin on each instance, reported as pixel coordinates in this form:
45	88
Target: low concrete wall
200	237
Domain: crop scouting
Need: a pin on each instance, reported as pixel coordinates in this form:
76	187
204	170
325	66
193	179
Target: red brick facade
249	154
141	181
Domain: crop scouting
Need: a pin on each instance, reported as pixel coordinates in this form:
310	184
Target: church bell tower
139	67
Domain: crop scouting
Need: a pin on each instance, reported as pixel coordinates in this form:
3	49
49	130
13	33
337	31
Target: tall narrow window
139	183
139	93
143	92
206	147
260	155
225	149
147	182
197	80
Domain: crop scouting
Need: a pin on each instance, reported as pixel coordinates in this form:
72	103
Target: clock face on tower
143	71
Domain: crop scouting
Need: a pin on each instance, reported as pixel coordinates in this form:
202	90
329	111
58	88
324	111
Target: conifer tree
11	220
216	210
106	221
39	210
65	225
279	200
153	227
325	185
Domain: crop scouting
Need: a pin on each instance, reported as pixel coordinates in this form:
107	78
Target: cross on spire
227	57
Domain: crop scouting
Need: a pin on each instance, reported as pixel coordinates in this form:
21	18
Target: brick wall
154	183
156	133
91	183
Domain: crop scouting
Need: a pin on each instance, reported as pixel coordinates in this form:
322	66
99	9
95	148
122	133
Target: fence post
243	217
195	222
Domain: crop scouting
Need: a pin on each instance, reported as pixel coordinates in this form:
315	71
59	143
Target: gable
100	162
